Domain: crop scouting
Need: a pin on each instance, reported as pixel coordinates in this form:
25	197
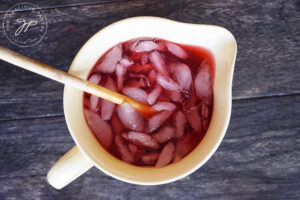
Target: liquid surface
173	78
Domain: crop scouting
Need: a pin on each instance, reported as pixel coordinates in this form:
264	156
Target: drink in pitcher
175	79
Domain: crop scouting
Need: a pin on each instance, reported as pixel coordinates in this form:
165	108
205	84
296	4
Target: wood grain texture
260	155
267	34
259	158
7	4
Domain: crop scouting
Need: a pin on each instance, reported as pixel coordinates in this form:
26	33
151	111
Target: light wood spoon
73	81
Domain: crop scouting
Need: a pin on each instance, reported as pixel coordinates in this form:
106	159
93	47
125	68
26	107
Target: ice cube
144	45
153	95
145	81
204	110
150	158
138	68
138	76
157	120
94	100
185	145
166	155
123	150
100	128
205	125
110	60
110	84
126	62
180	122
158	62
142	81
145	59
116	124
107	107
152	76
176	50
121	69
194	119
167	83
191	110
136	93
140	152
95	78
167	106
164	134
120	73
205	113
140	139
173	95
191	101
133	149
130	118
182	74
203	81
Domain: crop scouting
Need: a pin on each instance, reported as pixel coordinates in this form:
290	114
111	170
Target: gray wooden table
259	157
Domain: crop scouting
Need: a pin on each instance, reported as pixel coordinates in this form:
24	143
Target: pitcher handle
69	167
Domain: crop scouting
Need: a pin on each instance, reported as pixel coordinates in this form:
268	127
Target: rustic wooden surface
260	155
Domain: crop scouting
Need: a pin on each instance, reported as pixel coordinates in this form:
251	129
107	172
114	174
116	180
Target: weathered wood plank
267	34
258	159
6	4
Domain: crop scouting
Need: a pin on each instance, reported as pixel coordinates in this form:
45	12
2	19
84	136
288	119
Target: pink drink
175	79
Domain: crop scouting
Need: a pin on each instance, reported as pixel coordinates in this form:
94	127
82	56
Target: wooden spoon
73	81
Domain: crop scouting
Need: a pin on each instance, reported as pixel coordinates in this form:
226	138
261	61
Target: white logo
25	24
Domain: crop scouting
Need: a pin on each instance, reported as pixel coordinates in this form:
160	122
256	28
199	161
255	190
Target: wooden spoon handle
60	76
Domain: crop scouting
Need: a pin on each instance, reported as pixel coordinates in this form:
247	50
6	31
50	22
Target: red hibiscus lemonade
175	79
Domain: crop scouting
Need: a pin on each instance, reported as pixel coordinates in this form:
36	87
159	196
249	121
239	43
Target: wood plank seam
70	5
233	101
